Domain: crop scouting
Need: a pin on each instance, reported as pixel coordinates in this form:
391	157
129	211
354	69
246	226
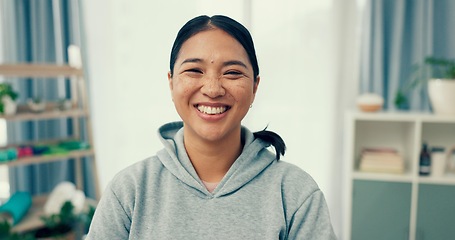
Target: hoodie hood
252	161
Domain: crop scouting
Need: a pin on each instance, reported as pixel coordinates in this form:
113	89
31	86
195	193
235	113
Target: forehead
212	42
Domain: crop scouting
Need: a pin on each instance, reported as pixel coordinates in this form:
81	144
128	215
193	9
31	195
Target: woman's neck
212	160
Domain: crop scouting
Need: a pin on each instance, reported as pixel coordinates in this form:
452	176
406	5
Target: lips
211	110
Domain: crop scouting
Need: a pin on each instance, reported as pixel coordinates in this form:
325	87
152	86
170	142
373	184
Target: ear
255	88
256	84
169	78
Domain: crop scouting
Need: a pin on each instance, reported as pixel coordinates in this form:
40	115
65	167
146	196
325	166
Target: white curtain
399	34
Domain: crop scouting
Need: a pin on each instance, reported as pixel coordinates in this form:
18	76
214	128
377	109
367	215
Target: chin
212	136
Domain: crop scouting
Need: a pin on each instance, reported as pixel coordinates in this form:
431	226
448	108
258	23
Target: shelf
405	132
49	158
448	179
39	70
398	116
45	115
32	220
388	177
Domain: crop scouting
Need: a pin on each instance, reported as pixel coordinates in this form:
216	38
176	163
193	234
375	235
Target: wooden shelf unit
80	111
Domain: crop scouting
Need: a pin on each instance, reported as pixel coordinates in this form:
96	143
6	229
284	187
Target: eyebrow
191	60
227	63
235	62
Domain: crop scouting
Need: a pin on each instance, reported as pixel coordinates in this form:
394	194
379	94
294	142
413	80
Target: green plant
7	234
432	67
65	221
6	90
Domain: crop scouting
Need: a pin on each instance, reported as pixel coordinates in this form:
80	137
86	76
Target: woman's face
212	85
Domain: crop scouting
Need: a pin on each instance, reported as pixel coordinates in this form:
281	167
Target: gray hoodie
162	197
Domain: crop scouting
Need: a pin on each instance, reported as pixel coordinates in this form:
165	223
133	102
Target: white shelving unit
78	113
405	132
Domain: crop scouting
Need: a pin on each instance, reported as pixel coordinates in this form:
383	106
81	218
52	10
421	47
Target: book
385	160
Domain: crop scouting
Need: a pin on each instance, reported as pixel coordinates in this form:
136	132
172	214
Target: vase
442	96
9	106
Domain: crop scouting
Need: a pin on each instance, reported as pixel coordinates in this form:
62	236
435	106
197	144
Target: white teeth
211	110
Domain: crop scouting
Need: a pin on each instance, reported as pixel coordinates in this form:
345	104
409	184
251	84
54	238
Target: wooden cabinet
398	206
79	113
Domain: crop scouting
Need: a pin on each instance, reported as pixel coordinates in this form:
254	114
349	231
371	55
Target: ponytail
274	139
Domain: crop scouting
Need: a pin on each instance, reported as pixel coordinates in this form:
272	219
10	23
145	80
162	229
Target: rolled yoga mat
16	207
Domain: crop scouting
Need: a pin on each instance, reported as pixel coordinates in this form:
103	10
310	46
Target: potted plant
36	105
63	224
7	99
439	73
7	234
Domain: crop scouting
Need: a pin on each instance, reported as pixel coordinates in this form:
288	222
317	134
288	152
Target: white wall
129	44
299	49
294	41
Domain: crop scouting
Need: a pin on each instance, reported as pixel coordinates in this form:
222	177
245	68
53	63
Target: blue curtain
40	32
397	35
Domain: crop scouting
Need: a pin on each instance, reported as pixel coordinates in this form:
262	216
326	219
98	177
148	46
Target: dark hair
229	25
243	36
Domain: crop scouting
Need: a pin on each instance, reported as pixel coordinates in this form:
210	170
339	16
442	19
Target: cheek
182	89
243	94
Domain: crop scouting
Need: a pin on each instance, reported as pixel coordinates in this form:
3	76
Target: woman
214	179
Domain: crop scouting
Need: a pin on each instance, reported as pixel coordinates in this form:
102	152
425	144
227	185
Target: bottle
425	161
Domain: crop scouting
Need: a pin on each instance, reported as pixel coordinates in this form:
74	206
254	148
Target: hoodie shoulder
296	183
294	174
305	204
133	175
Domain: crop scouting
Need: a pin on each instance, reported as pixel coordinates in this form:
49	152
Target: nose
213	87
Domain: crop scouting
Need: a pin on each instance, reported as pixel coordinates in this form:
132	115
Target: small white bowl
370	102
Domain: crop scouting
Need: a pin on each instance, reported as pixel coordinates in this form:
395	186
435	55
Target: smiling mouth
211	110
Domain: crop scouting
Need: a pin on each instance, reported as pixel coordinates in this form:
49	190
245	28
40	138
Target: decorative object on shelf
442	95
424	161
9	105
438	161
451	160
73	145
384	160
36	105
6	90
63	192
58	148
8	154
24	151
64	211
370	102
64	104
12	213
16	207
440	75
6	233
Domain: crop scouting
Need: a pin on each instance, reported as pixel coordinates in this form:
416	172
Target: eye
233	74
193	70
